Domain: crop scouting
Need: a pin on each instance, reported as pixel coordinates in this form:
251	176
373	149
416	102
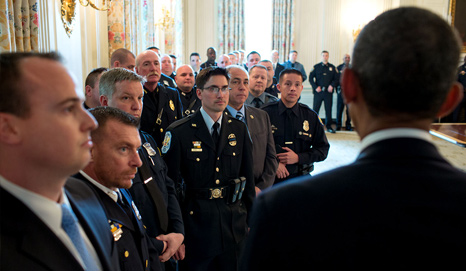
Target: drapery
283	28
231	25
19	26
131	25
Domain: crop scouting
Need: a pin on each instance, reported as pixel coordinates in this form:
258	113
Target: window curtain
283	28
131	25
19	26
231	25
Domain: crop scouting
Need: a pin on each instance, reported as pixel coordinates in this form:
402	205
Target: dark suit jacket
134	239
400	205
211	225
29	244
169	102
278	69
263	146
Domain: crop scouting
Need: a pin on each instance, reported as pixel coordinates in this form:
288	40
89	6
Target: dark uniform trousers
135	250
157	116
301	131
215	229
340	102
190	102
154	194
324	76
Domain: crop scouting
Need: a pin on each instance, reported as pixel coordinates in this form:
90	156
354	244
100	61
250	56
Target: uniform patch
166	142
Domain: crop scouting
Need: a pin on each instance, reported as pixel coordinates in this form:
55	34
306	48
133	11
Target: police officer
153	192
114	163
185	81
297	130
323	79
211	153
340	103
162	105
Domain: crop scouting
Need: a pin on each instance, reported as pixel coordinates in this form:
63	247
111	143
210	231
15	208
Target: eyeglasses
217	89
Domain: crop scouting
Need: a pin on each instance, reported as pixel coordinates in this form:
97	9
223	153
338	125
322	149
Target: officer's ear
198	93
88	91
10	134
103	100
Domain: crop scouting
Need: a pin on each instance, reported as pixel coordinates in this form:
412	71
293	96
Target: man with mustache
257	85
114	163
210	153
153	192
162	105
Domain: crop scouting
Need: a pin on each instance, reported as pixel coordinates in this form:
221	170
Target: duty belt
231	193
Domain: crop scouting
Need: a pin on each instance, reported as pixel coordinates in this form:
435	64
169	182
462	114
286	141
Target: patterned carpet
345	146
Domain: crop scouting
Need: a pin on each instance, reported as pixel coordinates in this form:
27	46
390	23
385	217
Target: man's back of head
123	58
402	76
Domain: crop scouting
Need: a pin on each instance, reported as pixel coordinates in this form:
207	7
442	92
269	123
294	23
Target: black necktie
257	102
289	125
215	135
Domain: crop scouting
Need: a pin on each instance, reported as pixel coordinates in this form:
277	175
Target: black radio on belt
236	189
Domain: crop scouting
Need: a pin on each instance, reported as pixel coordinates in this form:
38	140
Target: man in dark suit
114	164
211	154
162	104
400	205
260	129
153	192
45	137
277	67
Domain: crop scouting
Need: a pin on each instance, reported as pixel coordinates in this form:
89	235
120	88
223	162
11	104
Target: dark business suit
278	69
400	205
135	249
28	244
212	226
263	146
168	107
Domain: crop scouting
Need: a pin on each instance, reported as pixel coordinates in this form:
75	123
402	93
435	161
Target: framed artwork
458	20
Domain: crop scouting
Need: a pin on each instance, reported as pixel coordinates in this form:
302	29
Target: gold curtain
131	25
19	26
283	28
231	26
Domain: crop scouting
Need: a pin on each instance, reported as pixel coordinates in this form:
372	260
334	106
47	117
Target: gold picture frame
459	22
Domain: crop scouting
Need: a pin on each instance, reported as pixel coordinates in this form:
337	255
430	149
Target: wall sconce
166	21
356	32
104	7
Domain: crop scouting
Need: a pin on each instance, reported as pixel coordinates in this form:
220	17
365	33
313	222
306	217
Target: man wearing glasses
210	153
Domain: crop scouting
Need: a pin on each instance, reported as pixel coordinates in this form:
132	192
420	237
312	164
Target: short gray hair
111	77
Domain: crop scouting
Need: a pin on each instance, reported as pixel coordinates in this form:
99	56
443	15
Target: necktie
257	102
289	125
239	115
70	225
215	135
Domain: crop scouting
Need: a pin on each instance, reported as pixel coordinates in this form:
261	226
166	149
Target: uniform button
191	213
217	169
197	159
161	130
176	117
217	181
126	254
218	158
234	154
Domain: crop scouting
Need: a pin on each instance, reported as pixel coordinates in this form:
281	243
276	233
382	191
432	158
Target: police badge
306	125
172	105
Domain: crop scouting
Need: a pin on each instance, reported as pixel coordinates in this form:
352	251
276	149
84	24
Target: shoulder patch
166	142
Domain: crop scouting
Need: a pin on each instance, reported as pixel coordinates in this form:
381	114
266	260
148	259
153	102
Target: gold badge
306	125
232	140
172	105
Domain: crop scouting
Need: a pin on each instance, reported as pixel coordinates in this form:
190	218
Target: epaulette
179	122
304	105
270	104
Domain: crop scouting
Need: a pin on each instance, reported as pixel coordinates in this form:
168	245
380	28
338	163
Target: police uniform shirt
272	90
48	210
303	133
208	64
190	101
323	75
